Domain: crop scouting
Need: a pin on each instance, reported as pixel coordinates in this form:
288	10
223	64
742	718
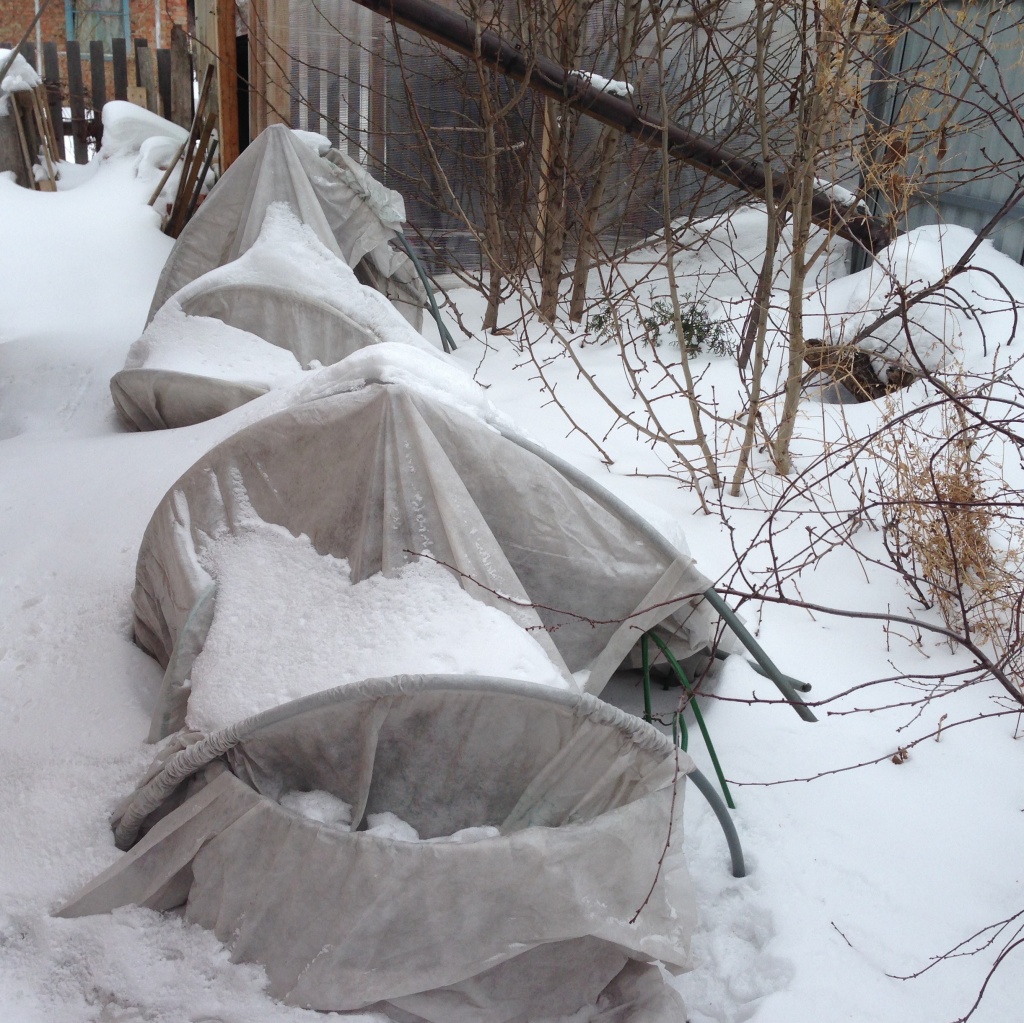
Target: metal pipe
800	687
781	683
707	790
447	342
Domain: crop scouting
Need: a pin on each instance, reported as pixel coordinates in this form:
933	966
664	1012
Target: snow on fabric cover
290	622
382	475
584	884
287	304
278	167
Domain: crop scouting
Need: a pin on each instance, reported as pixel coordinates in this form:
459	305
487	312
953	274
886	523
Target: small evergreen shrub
698	330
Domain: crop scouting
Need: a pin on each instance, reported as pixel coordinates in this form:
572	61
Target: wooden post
76	96
227	83
181	78
26	153
119	58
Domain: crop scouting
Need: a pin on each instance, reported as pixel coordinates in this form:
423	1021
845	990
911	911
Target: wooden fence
81	84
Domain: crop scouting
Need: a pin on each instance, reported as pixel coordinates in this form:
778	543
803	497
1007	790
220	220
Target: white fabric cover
334	201
264	270
537	921
373	473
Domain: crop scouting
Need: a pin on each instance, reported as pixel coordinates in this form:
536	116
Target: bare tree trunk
607	149
493	243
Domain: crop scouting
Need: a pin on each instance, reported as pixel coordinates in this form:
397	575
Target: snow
319	806
839	194
289	254
857	876
609	85
203	346
333	812
425	371
290	622
127	126
320	144
19	77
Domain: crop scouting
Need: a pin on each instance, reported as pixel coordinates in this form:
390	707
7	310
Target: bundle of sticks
196	154
37	139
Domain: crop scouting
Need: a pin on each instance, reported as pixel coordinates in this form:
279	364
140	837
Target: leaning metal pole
459	33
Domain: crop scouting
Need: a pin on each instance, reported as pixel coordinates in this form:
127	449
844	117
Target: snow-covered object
127	126
320	144
382	474
570	901
326	809
287	304
280	167
940	330
19	77
838	194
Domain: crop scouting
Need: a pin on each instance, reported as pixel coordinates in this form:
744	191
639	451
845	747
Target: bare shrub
952	526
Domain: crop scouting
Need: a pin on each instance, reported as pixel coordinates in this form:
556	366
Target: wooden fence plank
181	78
51	75
98	77
119	55
136	44
28	51
98	83
76	96
163	82
145	70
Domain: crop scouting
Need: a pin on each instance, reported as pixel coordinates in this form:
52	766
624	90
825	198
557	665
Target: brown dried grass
954	531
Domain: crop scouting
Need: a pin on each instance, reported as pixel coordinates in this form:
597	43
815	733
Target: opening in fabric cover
584	876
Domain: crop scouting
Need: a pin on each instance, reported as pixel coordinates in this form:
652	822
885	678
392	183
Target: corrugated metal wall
968	61
411	110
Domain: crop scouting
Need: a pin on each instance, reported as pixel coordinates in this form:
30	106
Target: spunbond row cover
384	472
352	214
260	286
537	870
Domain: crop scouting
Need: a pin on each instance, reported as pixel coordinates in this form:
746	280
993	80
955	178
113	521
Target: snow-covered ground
857	876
